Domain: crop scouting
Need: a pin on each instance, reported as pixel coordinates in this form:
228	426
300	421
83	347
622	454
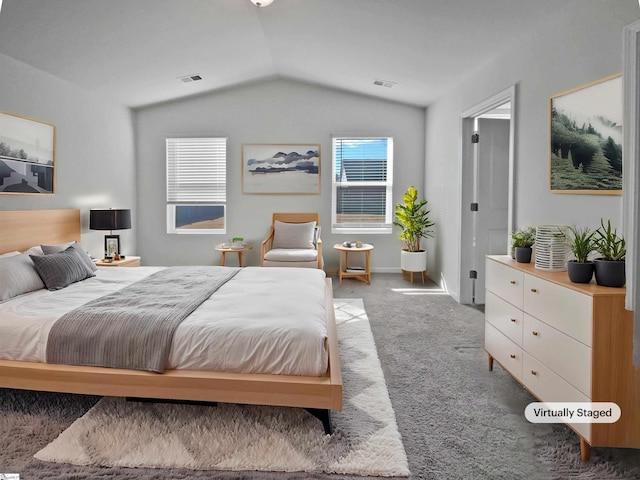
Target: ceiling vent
383	83
190	78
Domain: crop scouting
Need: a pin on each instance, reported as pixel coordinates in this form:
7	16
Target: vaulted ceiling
136	51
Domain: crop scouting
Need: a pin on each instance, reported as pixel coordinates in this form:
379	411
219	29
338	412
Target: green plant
413	218
581	242
608	243
523	238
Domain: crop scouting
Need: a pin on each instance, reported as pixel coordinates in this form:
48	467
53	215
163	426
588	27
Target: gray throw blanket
133	328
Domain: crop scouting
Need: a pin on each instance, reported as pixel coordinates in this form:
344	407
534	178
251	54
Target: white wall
275	111
94	151
581	44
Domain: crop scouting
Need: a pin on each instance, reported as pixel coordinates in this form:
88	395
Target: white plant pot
413	261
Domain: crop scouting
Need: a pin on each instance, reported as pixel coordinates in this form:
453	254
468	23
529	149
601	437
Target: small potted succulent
581	243
610	266
522	244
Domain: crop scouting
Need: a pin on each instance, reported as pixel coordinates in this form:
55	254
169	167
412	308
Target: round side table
345	272
239	250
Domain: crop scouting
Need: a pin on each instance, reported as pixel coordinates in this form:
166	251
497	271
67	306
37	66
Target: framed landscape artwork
586	139
281	169
27	155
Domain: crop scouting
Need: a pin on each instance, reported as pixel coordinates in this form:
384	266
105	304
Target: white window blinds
362	184
197	170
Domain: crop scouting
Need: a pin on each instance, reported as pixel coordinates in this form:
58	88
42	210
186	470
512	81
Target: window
196	185
362	185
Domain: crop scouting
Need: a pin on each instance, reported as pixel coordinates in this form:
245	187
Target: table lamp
110	219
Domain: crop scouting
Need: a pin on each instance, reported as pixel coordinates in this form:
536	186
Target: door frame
466	187
631	169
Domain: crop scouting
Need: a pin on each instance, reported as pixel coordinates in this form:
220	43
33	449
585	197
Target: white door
491	232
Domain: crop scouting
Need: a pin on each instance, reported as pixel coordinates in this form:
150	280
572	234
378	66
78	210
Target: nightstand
128	261
344	271
239	250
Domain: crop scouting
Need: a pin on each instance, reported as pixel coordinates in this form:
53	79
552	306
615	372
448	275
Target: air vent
190	78
383	83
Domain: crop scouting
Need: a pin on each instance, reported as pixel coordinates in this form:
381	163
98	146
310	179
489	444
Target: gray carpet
457	420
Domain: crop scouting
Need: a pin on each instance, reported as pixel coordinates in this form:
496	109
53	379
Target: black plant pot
523	254
580	272
610	273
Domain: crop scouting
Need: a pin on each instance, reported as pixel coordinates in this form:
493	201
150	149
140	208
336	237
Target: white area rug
366	440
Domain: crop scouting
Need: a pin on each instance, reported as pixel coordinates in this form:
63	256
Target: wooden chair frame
267	243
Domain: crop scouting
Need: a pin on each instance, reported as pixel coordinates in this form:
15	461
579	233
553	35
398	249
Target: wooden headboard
22	229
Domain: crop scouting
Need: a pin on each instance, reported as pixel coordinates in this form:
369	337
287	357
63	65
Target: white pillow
18	276
10	254
294	235
37	250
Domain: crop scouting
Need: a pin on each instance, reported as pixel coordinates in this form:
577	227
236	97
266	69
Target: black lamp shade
109	219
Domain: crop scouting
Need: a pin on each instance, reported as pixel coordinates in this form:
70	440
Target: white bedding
264	320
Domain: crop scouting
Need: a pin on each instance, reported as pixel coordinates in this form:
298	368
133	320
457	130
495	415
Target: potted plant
413	218
581	243
610	266
522	243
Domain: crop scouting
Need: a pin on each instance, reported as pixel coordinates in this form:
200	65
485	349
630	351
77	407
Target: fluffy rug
366	441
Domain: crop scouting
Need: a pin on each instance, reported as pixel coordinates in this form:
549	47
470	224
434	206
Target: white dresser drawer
507	353
569	311
505	282
567	357
549	387
504	316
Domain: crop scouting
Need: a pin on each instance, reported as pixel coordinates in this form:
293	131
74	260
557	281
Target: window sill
361	230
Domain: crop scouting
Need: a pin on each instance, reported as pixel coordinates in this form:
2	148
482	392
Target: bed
319	392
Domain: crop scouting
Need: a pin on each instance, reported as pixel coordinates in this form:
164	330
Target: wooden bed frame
24	229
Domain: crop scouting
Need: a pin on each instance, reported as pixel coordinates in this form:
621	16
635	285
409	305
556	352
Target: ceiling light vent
190	78
383	83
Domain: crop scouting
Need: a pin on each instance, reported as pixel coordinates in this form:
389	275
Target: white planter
413	261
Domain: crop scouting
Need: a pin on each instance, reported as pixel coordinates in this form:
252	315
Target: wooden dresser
565	342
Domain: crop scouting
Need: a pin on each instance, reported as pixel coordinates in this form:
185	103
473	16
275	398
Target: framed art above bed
27	155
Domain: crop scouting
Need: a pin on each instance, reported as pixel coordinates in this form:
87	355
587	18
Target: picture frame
28	154
585	154
281	169
111	246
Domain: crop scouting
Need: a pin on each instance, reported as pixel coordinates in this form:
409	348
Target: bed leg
324	416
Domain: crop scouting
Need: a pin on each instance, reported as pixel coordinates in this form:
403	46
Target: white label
572	412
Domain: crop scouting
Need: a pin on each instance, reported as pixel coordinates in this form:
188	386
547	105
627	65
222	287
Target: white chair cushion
294	235
291	255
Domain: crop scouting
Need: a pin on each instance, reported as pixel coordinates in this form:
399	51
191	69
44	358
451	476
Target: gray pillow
57	270
17	276
49	249
294	235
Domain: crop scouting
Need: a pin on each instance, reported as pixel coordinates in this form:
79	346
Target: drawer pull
535	334
513	320
512	356
534	290
512	282
533	372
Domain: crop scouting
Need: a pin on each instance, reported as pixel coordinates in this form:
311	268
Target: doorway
487	173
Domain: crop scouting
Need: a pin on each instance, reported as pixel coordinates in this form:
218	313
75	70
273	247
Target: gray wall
274	111
581	44
94	151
